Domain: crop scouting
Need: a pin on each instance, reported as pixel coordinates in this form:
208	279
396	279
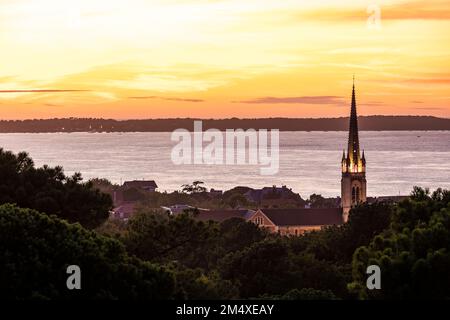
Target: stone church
353	191
296	221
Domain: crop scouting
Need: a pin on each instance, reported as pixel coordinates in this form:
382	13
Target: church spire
353	182
353	152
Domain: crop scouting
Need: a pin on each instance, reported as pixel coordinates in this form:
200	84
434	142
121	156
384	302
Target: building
296	221
285	222
178	208
147	185
353	182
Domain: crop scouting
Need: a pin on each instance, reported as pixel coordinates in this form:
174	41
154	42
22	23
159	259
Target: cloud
40	91
335	100
52	105
429	80
429	108
371	104
412	10
167	98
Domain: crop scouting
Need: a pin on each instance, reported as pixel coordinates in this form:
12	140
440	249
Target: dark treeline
373	123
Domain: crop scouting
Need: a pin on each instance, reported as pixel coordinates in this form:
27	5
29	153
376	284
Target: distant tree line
167	125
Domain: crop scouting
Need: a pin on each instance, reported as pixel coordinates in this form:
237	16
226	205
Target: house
257	195
177	208
296	221
147	185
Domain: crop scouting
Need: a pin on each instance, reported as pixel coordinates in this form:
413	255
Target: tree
269	268
161	238
48	190
36	249
338	243
195	284
304	294
236	234
236	200
413	253
195	187
318	201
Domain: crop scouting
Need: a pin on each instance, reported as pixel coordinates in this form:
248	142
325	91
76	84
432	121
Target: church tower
353	182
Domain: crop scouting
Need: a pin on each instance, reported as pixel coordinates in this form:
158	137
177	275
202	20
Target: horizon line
229	118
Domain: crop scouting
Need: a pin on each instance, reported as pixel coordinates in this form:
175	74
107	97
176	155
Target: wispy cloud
167	98
41	91
429	80
52	105
429	108
410	10
334	100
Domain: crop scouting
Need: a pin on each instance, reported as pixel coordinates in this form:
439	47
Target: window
259	220
353	195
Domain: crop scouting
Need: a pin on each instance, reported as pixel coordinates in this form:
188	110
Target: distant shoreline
366	123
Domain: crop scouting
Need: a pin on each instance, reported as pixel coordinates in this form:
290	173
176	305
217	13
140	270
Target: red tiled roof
304	217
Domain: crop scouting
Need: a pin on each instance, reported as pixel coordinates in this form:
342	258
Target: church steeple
353	182
354	161
353	152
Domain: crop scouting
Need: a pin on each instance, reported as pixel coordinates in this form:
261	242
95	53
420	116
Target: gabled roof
304	217
221	215
140	184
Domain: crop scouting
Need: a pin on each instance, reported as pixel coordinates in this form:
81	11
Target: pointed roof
304	217
353	140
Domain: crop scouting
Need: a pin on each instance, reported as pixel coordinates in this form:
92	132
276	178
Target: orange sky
222	58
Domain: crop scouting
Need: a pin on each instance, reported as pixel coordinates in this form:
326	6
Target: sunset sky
222	58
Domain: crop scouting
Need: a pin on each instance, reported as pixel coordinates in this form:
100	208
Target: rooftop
304	217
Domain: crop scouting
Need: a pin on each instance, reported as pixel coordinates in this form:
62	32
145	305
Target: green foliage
195	284
236	234
305	294
338	243
162	238
413	254
35	250
236	200
195	187
269	268
318	201
48	190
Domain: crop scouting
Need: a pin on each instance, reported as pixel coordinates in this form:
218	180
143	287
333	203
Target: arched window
357	195
259	220
353	195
